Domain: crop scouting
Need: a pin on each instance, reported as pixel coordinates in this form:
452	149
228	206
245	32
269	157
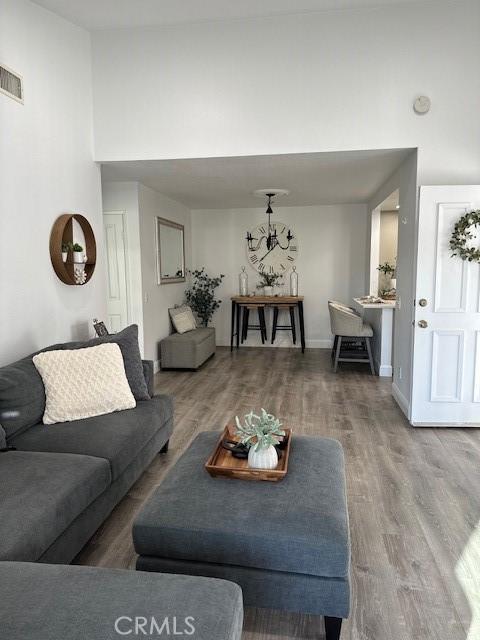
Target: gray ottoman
55	602
286	544
187	350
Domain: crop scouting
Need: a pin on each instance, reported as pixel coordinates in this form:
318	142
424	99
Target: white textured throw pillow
183	320
83	383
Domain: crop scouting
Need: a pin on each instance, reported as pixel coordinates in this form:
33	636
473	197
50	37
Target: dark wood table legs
235	325
238	310
232	328
302	325
236	320
333	627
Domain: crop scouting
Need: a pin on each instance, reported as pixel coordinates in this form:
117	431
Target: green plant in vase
388	271
65	250
260	433
267	282
77	251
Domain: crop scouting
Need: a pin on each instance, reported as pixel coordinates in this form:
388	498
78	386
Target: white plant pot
78	256
393	283
268	291
263	458
64	256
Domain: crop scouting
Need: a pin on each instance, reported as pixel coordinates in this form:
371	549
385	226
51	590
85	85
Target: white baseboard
401	400
156	366
442	425
325	343
384	370
281	344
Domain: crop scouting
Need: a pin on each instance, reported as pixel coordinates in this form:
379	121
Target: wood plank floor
414	498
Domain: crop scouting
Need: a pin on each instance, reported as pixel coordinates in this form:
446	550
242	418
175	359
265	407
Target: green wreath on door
462	233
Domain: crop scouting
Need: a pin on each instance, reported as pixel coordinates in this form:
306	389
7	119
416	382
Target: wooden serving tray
222	463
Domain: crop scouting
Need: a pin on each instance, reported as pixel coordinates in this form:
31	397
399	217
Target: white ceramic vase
64	256
393	283
294	282
263	458
268	291
243	283
78	256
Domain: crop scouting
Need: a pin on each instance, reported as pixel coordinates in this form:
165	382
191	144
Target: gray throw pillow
22	396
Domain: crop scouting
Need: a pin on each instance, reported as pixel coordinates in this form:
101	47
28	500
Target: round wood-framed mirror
68	268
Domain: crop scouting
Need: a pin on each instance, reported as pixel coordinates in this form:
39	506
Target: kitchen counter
384	304
380	315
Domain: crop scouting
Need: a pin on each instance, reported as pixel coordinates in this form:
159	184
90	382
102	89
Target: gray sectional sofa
61	481
57	485
53	602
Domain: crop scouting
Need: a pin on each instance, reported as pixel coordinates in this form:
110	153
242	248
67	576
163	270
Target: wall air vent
11	83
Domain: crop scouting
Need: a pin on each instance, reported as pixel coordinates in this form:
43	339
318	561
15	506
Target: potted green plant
261	434
77	251
65	249
388	271
386	268
201	295
267	282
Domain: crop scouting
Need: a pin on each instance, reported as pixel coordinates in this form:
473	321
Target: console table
269	301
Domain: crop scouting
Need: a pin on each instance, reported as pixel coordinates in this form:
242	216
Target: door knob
423	324
422	302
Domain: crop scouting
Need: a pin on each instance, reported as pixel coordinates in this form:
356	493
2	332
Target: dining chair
352	336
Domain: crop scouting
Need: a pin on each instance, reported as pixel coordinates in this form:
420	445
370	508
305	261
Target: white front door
446	361
115	250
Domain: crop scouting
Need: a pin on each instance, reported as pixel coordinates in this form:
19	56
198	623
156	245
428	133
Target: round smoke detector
274	193
421	105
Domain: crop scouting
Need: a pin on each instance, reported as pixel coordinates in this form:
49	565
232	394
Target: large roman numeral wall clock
272	247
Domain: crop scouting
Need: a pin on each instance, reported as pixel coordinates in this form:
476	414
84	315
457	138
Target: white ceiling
227	183
111	14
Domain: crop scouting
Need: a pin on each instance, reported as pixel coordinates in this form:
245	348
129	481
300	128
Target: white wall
123	197
332	259
404	179
388	236
158	298
332	80
47	168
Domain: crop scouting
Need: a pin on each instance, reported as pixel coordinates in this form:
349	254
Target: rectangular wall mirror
170	251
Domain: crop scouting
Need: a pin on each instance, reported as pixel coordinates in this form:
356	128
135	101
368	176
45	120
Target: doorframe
123	213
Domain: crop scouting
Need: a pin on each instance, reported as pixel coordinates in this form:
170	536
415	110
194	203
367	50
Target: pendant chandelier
270	236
